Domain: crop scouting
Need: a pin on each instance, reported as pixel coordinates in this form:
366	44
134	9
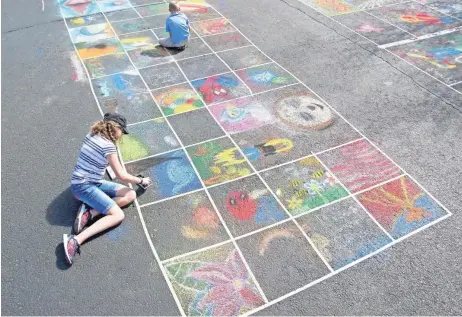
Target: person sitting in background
177	25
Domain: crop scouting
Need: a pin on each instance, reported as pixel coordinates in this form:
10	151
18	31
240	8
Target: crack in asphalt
373	53
31	26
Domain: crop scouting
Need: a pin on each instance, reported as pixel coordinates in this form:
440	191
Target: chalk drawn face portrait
303	112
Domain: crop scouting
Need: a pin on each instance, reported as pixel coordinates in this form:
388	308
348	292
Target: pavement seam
31	26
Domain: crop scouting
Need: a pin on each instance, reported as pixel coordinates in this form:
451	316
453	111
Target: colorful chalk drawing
188	222
172	174
149	56
359	165
85	20
270	147
77	8
304	185
331	7
125	93
199	13
177	99
210	27
111	5
440	56
108	65
401	206
343	232
130	26
416	18
98	48
115	16
90	33
246	205
265	77
370	4
242	114
226	41
219	88
213	283
218	161
146	139
137	40
144	2
153	9
450	7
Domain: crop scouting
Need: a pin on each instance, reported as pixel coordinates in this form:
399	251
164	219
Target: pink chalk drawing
242	115
368	28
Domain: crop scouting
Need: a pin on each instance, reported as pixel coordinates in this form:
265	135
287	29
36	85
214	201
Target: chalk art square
111	5
85	20
90	33
416	18
370	4
211	27
194	48
177	99
145	2
153	9
172	175
183	224
243	114
146	139
246	205
281	259
195	126
401	206
202	66
331	7
450	7
359	165
440	56
265	77
72	8
304	185
203	13
226	41
149	56
244	57
108	65
283	125
130	26
122	15
374	29
218	161
161	33
137	40
156	21
126	94
343	232
98	48
214	283
162	75
220	88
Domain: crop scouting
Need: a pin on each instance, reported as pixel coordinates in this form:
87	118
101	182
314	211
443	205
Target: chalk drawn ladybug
240	205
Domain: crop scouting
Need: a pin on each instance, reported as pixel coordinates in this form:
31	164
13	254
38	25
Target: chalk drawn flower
314	187
230	287
294	203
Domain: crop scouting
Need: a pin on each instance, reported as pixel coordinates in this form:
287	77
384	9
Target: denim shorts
97	195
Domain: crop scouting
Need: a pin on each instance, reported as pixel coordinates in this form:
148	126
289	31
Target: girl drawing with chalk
97	195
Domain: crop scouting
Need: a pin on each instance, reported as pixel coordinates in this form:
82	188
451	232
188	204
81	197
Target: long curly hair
105	129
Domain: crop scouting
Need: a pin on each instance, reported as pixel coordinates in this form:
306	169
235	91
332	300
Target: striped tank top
92	160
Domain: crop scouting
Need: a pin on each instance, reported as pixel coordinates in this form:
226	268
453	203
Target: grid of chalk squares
335	207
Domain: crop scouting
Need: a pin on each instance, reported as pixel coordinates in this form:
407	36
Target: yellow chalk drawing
294	203
310	161
228	157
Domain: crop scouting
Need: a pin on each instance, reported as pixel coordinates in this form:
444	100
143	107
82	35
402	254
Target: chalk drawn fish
180	174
